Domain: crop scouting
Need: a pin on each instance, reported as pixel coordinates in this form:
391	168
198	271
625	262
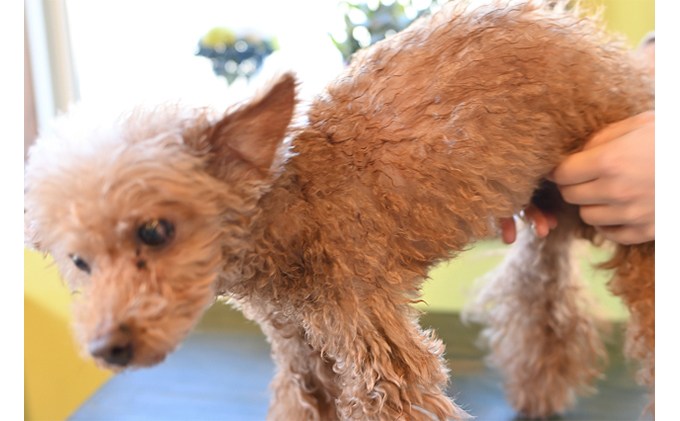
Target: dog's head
147	217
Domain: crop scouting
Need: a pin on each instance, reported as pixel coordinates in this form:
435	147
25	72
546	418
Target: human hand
613	184
612	180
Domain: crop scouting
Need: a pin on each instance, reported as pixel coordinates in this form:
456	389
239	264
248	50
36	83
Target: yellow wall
630	18
56	380
452	284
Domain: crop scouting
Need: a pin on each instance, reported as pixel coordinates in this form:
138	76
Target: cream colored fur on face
324	232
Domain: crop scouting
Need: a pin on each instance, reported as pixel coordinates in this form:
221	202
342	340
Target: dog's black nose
115	347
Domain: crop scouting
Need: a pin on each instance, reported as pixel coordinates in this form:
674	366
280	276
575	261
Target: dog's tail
538	327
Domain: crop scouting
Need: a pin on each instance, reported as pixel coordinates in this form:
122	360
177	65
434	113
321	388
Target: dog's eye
156	232
80	263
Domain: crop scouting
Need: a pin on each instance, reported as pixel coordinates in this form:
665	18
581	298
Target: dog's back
453	123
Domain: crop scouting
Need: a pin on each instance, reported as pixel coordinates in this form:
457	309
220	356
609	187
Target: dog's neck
285	223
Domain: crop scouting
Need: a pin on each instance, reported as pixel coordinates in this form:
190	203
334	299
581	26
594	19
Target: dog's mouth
115	348
138	325
121	358
121	348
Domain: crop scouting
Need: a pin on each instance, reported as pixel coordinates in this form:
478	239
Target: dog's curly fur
323	232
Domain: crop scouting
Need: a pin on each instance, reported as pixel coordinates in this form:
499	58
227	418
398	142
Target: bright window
128	51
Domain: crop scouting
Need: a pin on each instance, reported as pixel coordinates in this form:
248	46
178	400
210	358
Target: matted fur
323	233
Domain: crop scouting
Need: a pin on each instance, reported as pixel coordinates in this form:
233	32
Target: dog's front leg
386	367
304	387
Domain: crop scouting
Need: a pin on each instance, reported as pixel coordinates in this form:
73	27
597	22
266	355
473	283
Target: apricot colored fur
324	231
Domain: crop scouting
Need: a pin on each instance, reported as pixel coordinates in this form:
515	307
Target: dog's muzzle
115	347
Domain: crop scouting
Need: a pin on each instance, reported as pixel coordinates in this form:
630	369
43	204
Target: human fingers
627	234
508	230
577	168
552	221
619	129
584	194
587	164
606	215
541	221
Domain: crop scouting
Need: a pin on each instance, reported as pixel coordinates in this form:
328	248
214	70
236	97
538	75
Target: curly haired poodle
324	231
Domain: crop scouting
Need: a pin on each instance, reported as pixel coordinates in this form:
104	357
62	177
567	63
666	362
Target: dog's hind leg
538	328
634	282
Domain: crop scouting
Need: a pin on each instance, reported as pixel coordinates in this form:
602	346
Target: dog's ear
246	140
